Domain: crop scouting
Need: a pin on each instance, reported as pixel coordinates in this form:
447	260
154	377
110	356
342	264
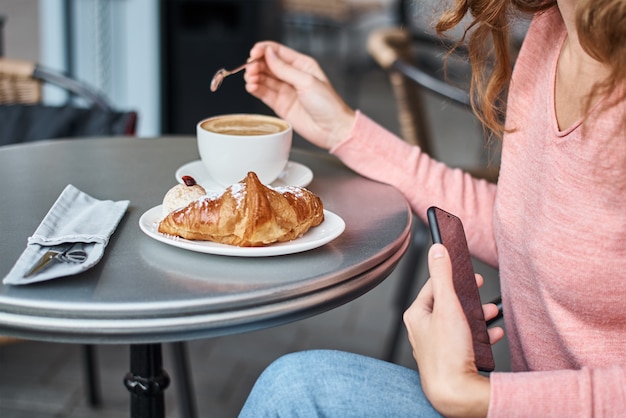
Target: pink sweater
555	226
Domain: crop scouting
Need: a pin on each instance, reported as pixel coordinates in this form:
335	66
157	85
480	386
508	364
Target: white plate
294	174
328	230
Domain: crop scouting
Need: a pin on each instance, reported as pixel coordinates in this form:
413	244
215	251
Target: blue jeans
328	383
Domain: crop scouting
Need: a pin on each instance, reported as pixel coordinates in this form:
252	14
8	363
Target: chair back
24	118
415	66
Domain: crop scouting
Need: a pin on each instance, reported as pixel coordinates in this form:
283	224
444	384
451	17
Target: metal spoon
222	73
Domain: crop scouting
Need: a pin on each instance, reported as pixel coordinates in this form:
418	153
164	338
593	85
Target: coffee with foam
244	125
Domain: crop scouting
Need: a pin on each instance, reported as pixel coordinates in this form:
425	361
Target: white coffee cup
232	145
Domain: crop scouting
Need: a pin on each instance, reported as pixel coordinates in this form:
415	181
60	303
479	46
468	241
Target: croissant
247	214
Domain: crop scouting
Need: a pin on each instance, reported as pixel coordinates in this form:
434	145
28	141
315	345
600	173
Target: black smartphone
447	229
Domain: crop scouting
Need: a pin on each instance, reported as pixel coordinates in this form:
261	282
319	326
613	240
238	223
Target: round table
145	292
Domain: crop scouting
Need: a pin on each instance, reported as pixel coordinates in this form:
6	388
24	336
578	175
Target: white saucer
328	230
294	174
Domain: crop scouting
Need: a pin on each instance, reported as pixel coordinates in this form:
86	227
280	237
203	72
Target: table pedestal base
146	381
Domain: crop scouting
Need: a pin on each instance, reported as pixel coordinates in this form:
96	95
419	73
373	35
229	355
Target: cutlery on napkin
68	253
74	218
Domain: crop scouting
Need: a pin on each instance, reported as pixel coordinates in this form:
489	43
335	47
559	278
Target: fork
66	253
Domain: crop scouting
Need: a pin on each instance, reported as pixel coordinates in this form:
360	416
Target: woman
555	225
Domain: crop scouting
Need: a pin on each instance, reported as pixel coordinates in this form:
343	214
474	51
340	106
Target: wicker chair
17	84
415	68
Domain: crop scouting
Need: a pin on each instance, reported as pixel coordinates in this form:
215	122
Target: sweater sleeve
597	392
376	153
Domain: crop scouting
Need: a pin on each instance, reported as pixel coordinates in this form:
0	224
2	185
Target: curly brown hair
601	26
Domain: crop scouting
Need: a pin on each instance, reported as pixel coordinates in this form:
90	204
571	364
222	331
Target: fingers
259	50
271	52
479	280
258	74
490	311
262	91
287	72
273	73
262	83
495	334
267	86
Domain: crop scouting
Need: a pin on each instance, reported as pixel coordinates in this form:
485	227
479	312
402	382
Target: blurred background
157	58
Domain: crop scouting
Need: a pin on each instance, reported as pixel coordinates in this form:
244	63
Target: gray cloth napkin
74	217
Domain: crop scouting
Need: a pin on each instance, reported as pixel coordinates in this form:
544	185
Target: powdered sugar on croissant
247	214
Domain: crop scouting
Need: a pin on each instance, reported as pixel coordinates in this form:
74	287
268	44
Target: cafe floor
40	380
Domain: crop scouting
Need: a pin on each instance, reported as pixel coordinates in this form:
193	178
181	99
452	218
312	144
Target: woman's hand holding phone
443	345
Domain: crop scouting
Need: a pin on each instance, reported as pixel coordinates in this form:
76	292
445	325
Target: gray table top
147	291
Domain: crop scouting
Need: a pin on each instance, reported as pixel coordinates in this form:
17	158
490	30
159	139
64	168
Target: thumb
440	268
